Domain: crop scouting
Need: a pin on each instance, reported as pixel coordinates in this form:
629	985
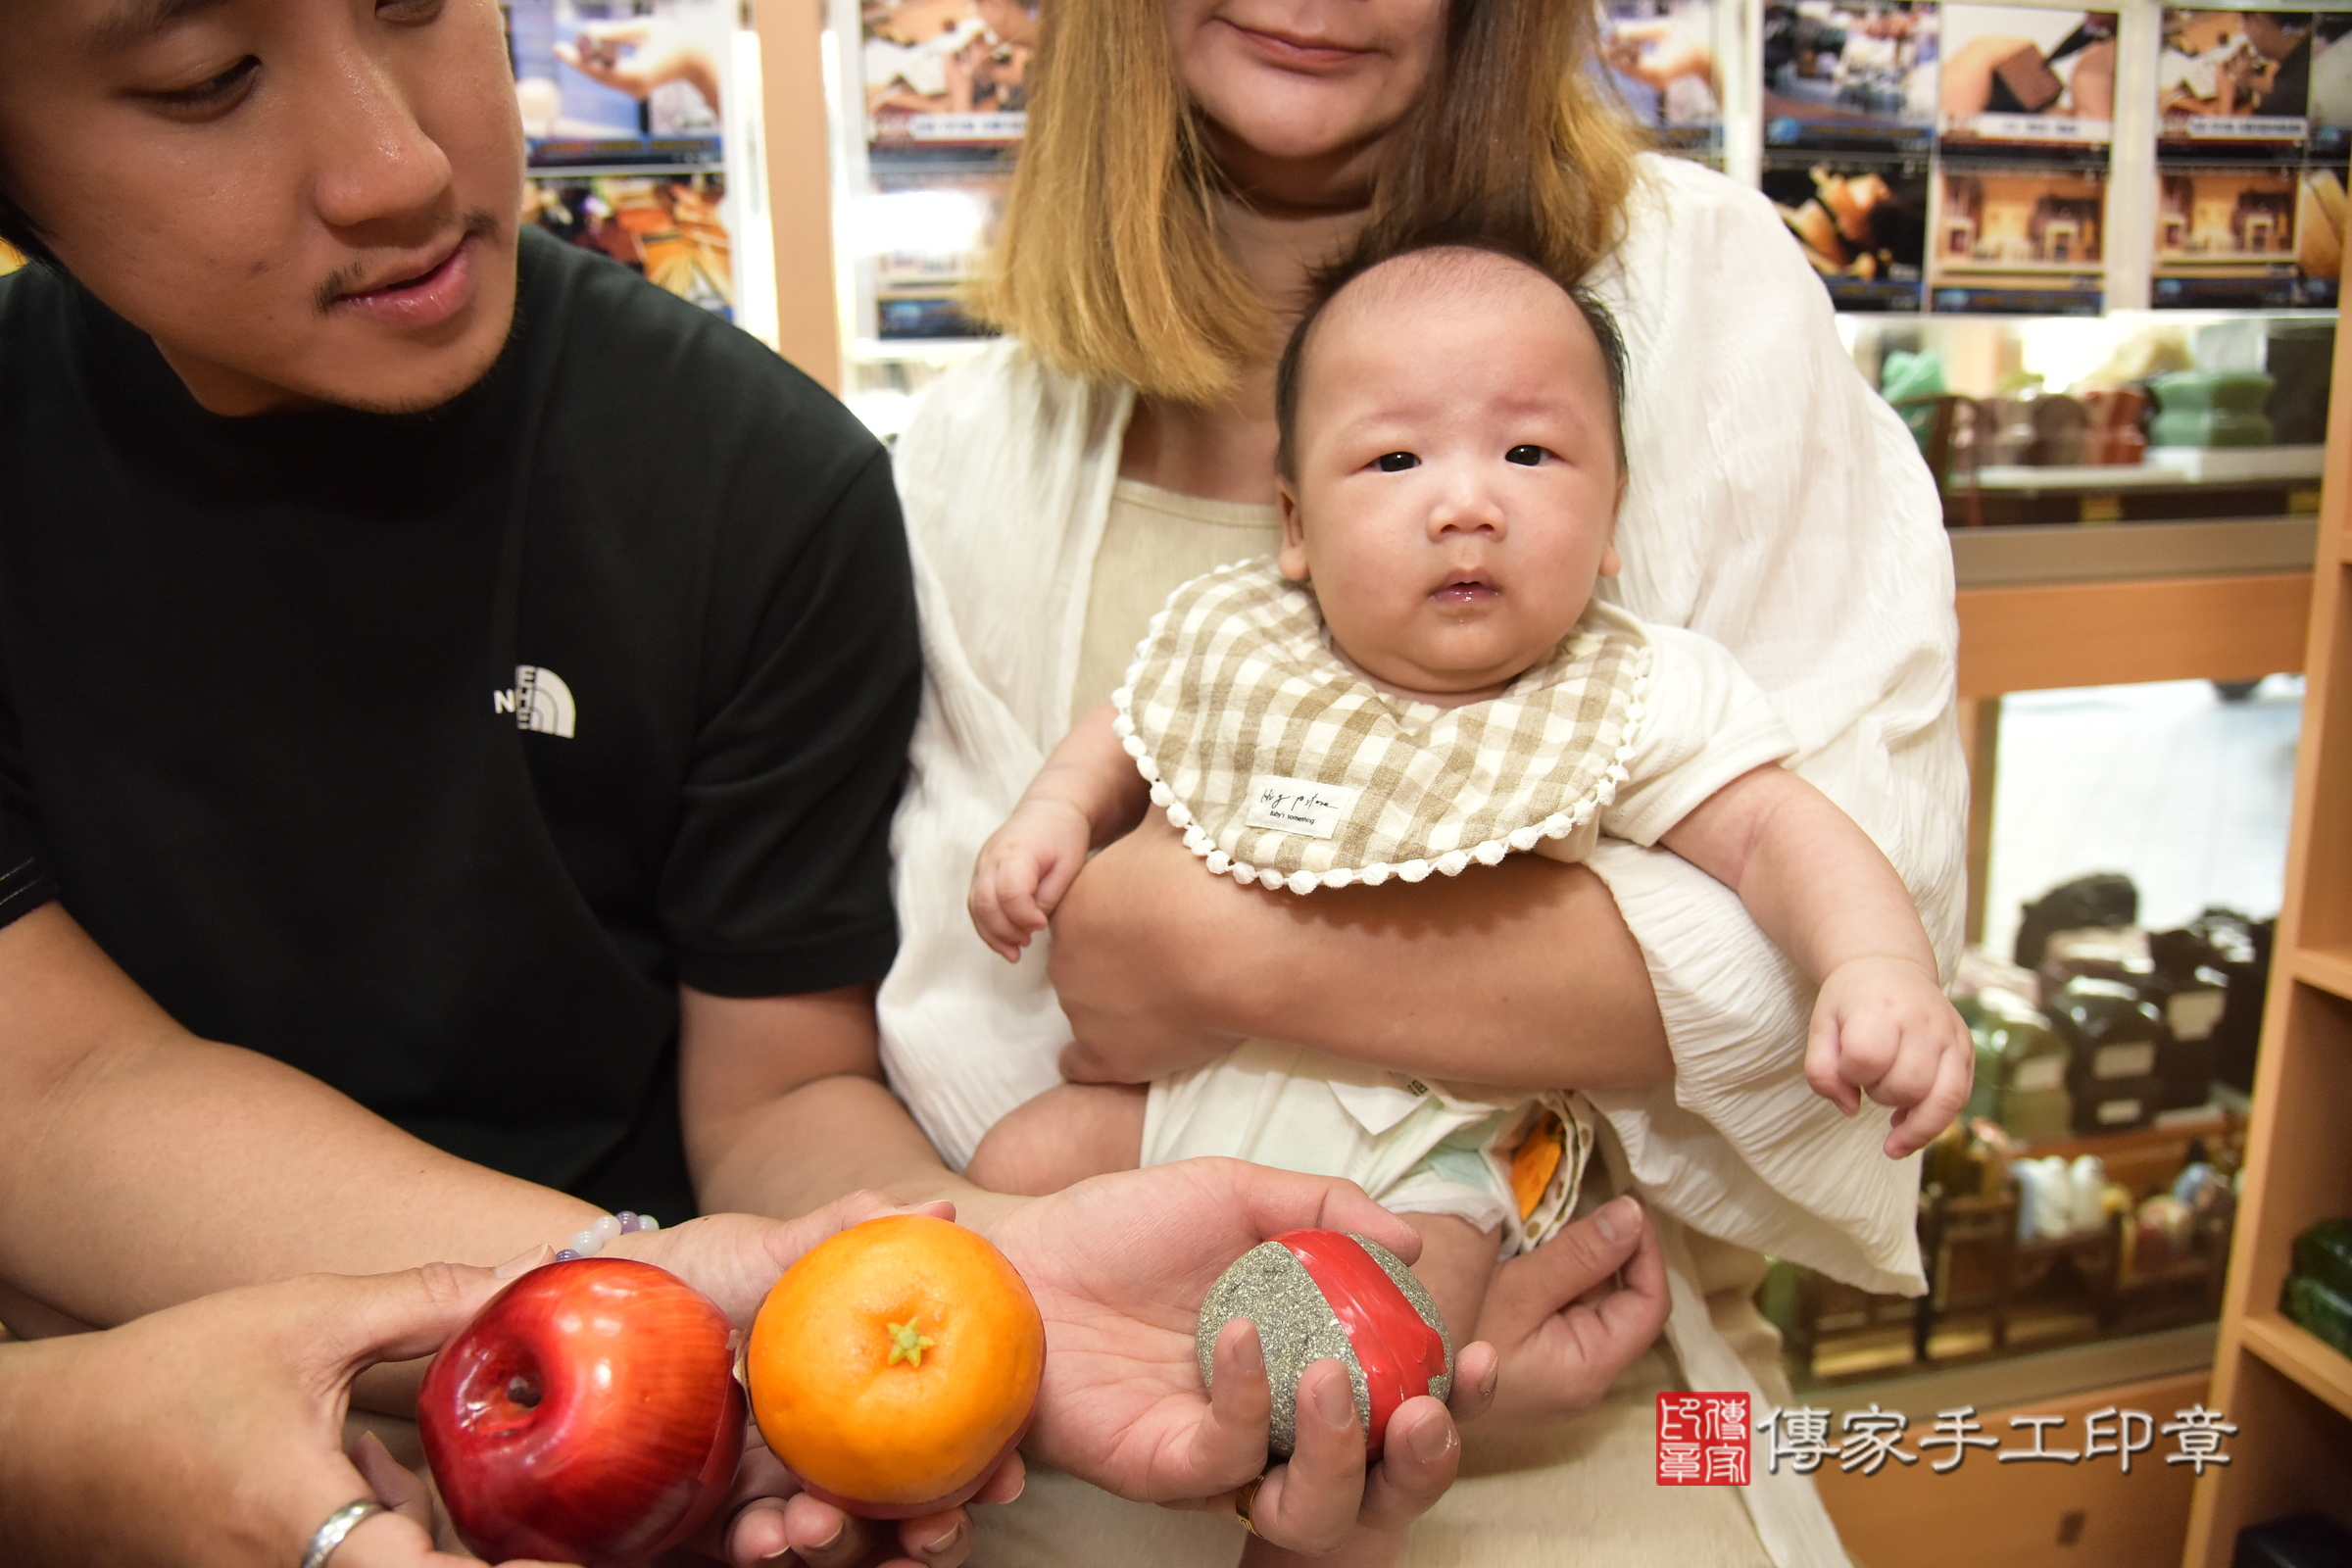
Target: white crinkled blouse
1776	504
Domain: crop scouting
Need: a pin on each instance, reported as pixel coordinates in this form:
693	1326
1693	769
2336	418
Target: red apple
590	1415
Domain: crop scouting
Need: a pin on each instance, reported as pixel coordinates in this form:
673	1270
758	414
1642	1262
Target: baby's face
1457	475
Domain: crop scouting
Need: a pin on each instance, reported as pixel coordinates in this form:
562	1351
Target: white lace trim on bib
1284	767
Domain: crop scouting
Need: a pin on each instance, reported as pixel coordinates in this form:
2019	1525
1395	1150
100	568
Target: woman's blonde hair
1109	263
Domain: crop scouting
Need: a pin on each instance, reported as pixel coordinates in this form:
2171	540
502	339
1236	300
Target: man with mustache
452	700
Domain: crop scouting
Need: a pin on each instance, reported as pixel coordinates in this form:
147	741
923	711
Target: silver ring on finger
342	1522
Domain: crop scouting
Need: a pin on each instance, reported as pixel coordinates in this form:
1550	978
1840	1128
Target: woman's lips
1293	53
426	300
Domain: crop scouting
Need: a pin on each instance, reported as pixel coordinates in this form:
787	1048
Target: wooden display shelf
2204	547
2290	1394
2328	968
2311	1361
2036	636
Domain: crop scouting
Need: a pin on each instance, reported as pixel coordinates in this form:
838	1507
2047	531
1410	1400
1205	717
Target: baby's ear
1611	562
1292	558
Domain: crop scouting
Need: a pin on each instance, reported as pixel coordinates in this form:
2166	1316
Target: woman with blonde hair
1190	163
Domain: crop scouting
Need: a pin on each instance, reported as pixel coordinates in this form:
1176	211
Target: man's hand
1120	1265
1883	1027
209	1436
735	1260
1564	1331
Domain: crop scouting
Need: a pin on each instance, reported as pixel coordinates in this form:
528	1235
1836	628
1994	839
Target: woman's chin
1296	165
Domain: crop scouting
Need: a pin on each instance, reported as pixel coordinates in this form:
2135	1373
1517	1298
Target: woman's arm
1521	975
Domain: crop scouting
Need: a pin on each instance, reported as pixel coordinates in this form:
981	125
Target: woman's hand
1120	1264
209	1436
1523	974
1564	1331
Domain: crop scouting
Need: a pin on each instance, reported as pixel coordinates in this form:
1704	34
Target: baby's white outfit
1284	767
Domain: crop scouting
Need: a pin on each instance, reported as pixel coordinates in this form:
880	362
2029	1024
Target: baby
1422	680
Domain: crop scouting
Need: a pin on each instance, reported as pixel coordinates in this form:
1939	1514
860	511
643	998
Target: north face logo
539	701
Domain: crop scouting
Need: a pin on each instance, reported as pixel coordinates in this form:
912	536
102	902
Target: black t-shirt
428	754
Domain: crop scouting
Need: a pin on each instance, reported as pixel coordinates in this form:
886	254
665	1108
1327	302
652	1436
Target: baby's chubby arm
1821	890
1087	794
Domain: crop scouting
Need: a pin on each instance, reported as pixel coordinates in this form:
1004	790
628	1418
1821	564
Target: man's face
300	200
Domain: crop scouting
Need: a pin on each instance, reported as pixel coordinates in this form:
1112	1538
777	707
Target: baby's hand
1023	870
1882	1028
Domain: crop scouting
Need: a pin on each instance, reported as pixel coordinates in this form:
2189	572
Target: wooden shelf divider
2329	968
2291	1349
2289	1392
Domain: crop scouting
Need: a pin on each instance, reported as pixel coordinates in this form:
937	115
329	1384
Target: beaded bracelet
590	1242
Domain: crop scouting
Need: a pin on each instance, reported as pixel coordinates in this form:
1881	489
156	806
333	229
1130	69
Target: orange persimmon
895	1364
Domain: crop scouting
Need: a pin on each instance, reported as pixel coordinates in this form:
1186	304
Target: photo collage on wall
2253	112
946	100
1658	58
1956	157
621	103
2024	118
1849	127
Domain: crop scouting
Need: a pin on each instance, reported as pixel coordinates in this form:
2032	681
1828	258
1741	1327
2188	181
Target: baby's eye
1525	456
1397	462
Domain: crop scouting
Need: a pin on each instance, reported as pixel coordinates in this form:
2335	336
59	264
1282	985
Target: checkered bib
1283	766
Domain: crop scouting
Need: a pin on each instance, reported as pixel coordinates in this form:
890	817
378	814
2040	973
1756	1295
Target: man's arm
784	1108
142	1166
1521	975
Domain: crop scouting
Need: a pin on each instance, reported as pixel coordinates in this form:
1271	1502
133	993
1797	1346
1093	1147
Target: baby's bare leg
1457	1260
1068	1132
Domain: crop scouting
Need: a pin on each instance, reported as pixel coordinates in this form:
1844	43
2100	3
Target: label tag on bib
1299	805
